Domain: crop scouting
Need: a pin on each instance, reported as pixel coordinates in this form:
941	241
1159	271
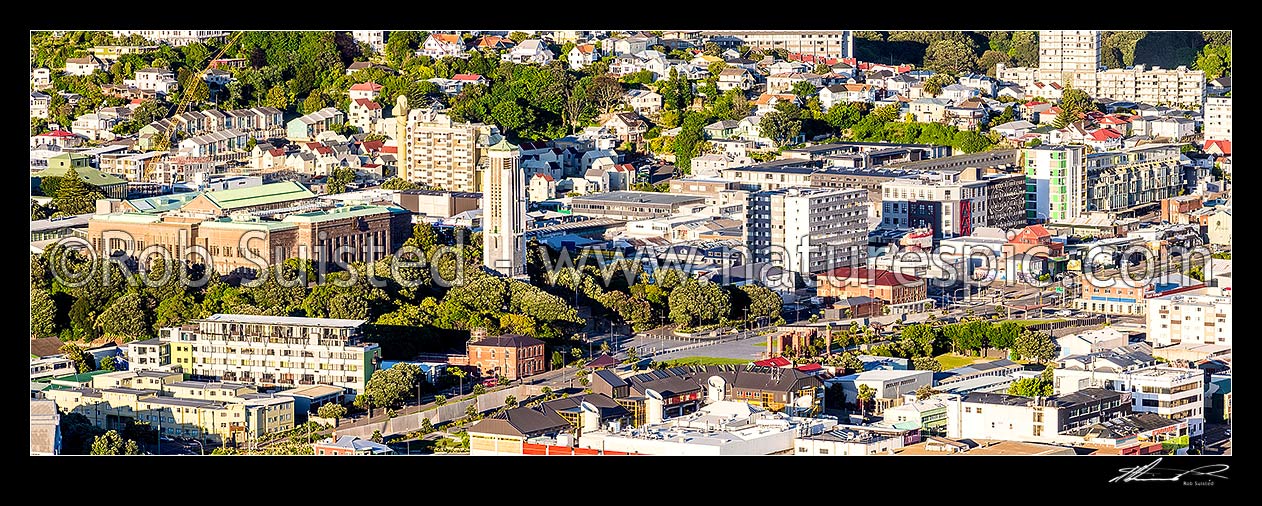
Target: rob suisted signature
1151	472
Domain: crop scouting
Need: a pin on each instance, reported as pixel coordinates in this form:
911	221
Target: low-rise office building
633	205
1172	392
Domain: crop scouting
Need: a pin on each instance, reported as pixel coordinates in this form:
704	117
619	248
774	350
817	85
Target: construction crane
184	101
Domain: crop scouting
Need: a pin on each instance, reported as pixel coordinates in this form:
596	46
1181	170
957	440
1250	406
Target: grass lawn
951	360
707	361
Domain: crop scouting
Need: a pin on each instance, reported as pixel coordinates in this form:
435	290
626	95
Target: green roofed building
268	197
112	186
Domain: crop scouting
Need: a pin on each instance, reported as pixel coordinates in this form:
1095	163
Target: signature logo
1151	472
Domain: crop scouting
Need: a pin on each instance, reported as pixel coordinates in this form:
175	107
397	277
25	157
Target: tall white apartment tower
504	212
1069	51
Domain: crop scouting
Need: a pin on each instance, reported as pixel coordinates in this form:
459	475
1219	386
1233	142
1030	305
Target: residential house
767	102
39	104
217	77
542	187
1104	139
85	66
229	141
368	91
985	85
1176	129
94	127
845	93
967	114
439	45
365	115
1013	129
41	78
308	126
644	101
722	129
930	110
529	51
1011	91
492	43
629	127
158	80
582	55
60	138
624	45
783	83
735	78
956	92
349	445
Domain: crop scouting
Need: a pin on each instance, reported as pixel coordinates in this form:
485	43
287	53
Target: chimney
590	417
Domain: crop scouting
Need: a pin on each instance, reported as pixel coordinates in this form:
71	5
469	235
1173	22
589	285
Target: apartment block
1055	180
1069	50
282	351
1218	118
1133	179
809	230
439	152
1171	392
1188	318
952	204
1178	87
823	44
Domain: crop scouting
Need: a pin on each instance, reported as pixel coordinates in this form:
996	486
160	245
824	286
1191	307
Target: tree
510	402
376	437
950	56
472	410
804	89
1077	101
277	97
697	302
576	353
332	410
1031	387
339	179
398	183
778	127
478	389
926	364
865	395
1025	49
934	84
83	361
991	58
43	313
924	392
1031	345
126	318
73	196
459	374
1197	273
558	360
1063	119
763	302
1214	60
605	92
107	364
313	103
843	116
969	141
113	443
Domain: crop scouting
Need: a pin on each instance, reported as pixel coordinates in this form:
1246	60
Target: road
1217	442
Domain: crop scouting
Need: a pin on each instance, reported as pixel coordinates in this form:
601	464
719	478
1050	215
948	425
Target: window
802	449
979	410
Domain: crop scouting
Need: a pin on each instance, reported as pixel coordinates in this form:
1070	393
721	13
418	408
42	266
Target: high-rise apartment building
1189	319
504	212
1218	118
436	151
809	230
1069	50
1054	182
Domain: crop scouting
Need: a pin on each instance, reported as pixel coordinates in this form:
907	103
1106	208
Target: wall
441	414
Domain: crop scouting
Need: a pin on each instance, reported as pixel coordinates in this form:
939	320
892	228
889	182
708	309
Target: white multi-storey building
280	351
809	230
174	37
1054	182
1186	318
504	212
155	79
1069	50
436	151
1178	86
818	43
376	39
1218	118
1172	392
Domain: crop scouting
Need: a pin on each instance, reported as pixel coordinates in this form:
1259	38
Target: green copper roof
259	195
503	145
86	174
341	212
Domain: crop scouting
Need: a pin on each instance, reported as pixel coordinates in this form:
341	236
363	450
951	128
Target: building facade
1133	179
808	230
283	351
1055	181
1070	51
945	202
434	150
1192	319
819	44
1217	117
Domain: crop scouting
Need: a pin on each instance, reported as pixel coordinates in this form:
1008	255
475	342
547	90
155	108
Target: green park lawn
951	360
706	361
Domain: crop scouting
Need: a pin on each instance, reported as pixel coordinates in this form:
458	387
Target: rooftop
635	197
271	193
285	320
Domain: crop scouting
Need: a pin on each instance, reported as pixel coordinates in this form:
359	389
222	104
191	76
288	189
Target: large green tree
1031	387
73	196
126	318
113	443
43	313
950	56
697	302
779	127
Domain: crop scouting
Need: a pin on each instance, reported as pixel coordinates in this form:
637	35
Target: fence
442	414
1079	322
